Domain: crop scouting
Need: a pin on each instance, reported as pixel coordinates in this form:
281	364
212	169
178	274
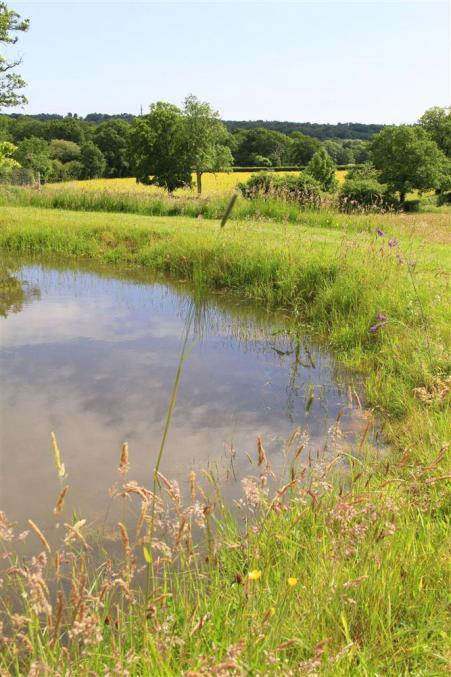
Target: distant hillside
343	130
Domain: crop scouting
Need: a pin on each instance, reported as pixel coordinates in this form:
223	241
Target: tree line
65	148
169	143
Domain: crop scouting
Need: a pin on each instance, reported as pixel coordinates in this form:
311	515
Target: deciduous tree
207	139
323	169
10	82
92	160
112	137
159	148
408	159
437	122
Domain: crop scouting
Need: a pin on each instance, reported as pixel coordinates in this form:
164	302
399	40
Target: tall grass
332	574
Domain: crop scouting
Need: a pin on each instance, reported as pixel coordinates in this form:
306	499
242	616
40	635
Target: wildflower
380	232
254	575
393	243
292	581
380	321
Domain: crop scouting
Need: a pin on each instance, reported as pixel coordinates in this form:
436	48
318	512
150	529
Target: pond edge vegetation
329	575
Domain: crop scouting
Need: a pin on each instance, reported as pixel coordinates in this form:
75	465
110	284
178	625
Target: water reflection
95	361
14	293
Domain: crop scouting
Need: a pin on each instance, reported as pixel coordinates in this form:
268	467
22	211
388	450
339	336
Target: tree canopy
408	159
437	122
10	82
160	149
207	139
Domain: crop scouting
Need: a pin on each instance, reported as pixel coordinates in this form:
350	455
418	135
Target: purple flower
393	243
380	321
380	232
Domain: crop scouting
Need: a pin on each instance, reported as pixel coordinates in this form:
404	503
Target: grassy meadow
331	574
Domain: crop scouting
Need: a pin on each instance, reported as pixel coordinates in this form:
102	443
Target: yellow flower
292	581
272	611
254	575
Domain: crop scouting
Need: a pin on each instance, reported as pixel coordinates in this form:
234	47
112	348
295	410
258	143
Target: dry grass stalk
75	531
40	535
57	457
124	461
60	501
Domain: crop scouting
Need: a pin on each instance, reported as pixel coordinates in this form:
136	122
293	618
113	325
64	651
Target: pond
92	353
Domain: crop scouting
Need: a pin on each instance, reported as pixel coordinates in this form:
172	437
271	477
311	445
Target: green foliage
437	122
301	188
112	137
73	170
207	138
262	161
64	151
248	145
364	171
10	82
92	161
303	148
159	148
34	153
7	151
322	169
409	159
364	193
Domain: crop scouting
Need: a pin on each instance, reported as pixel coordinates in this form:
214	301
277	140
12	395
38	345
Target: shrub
300	188
322	168
362	193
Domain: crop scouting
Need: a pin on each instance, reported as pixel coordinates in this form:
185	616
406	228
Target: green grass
369	551
151	204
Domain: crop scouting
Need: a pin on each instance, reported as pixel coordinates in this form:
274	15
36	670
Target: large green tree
408	159
303	148
92	159
207	139
159	147
64	151
10	82
437	122
112	137
34	154
261	142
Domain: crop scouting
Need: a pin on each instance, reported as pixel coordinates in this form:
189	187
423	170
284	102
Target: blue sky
364	61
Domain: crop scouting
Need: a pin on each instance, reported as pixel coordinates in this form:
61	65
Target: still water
92	355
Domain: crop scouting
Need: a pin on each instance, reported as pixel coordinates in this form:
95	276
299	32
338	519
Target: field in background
212	184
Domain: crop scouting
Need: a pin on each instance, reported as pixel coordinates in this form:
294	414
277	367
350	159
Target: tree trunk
199	182
402	197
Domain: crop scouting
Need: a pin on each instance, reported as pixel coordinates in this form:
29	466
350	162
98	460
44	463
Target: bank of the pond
367	564
105	198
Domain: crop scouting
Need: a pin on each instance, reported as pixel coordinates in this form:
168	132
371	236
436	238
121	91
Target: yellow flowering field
212	184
